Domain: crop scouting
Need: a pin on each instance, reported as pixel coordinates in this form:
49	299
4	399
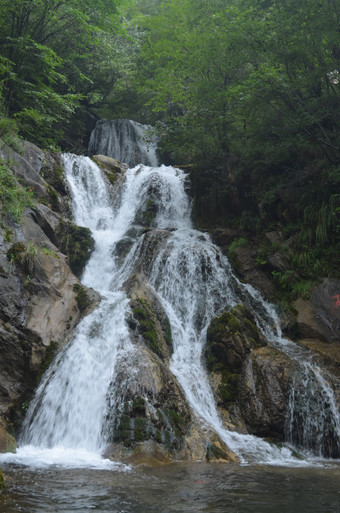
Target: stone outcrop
319	317
41	299
230	338
112	168
264	391
149	419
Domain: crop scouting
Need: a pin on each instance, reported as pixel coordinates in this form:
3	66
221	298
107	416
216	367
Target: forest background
244	94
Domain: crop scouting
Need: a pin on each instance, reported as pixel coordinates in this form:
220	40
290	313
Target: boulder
112	168
264	391
230	338
319	317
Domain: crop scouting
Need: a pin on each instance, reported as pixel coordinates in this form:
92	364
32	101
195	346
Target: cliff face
41	298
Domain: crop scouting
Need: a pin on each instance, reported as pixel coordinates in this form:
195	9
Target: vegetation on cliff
245	95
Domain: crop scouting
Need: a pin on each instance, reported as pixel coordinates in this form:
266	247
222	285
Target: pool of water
178	488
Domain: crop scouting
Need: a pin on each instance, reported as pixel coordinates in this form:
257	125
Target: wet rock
41	300
319	317
230	338
150	322
2	482
112	168
264	391
147	404
7	441
77	243
246	268
223	237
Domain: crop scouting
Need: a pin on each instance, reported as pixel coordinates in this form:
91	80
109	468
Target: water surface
177	488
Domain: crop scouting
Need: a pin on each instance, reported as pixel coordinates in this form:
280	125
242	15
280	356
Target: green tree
56	55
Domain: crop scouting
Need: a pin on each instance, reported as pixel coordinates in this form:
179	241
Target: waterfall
194	282
124	140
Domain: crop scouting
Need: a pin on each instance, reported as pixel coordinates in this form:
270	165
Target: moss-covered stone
156	332
112	168
51	351
55	177
7	441
230	338
82	297
147	213
2	482
77	243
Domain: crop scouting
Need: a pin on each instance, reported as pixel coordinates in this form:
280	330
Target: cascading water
194	282
124	140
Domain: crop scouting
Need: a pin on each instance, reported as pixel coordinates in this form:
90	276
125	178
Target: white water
65	421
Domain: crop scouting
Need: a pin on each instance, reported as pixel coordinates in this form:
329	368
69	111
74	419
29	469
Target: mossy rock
77	243
55	177
231	337
2	482
147	213
140	422
82	297
154	329
50	353
7	441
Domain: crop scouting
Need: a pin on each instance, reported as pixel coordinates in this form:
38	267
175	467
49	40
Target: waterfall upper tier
125	140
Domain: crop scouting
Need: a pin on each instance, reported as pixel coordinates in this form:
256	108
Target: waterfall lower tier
134	374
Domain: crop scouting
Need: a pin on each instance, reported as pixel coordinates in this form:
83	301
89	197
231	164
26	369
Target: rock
77	243
244	261
2	482
41	300
319	317
328	353
264	391
24	170
147	404
111	167
230	338
223	237
7	442
149	321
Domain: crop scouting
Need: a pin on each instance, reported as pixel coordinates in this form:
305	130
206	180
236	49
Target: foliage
54	56
13	197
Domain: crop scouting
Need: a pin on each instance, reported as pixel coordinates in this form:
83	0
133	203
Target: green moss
147	326
2	482
140	429
138	406
226	321
54	198
215	453
77	243
54	175
14	197
109	173
50	252
229	387
8	235
51	351
82	297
